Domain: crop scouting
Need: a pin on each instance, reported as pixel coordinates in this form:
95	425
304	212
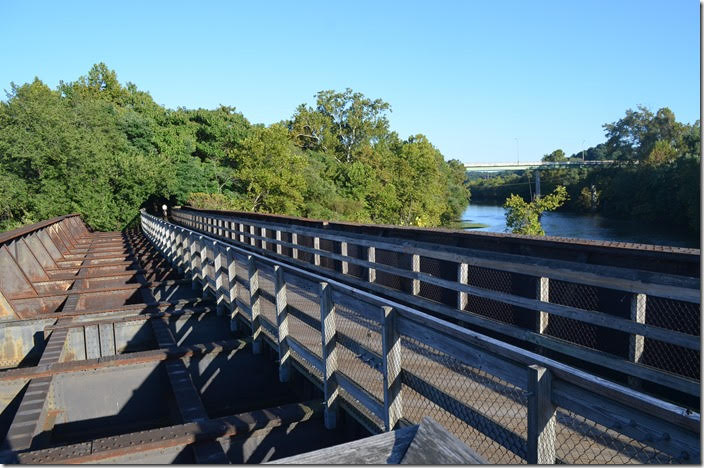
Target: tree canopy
105	149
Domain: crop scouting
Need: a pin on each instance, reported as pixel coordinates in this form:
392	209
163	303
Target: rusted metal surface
103	341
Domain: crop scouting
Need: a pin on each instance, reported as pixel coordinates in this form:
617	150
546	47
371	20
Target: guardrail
390	362
642	325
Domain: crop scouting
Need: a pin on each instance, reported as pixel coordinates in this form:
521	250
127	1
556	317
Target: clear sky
482	79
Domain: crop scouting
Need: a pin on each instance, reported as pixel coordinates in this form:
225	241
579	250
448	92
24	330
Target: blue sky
479	78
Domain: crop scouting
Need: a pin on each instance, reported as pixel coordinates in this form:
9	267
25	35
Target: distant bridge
540	165
498	167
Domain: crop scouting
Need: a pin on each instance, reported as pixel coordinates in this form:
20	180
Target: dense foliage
103	149
655	177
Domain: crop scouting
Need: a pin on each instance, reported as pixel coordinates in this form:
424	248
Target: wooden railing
389	363
637	324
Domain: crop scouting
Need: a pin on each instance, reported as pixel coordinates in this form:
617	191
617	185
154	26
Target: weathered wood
307	355
232	287
470	354
462	278
464	412
433	444
254	305
316	250
263	238
344	265
220	274
636	343
672	286
636	422
541	417
391	367
380	449
371	259
368	401
329	342
635	399
294	243
282	324
542	294
278	244
593	317
595	385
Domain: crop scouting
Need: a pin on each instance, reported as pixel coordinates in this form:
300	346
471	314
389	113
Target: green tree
524	218
556	156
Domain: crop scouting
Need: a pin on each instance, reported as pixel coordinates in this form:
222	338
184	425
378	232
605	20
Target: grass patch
469	225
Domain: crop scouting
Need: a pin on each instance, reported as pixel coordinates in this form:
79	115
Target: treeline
104	150
656	178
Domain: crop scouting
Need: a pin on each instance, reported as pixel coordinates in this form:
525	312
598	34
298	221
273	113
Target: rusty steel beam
118	360
180	435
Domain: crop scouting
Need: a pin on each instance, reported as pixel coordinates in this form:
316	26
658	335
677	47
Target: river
584	226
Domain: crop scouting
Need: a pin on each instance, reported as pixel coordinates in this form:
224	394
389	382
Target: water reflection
584	226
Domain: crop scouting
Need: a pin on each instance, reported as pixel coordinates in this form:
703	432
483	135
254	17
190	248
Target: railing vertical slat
391	370
462	278
541	417
232	287
636	343
371	257
254	304
282	324
328	335
542	294
220	277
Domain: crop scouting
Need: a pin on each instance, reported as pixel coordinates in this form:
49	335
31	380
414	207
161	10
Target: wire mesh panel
390	258
243	284
579	440
493	280
585	297
675	315
359	348
267	298
304	313
483	411
439	269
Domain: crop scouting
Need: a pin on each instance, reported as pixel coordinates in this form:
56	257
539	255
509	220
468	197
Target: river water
584	226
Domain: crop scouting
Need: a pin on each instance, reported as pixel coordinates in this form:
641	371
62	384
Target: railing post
254	304
232	287
344	266
202	260
282	324
636	342
262	233
241	232
294	241
462	278
252	240
371	257
179	250
391	370
543	294
541	417
415	268
220	278
328	333
205	267
194	265
279	249
316	246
